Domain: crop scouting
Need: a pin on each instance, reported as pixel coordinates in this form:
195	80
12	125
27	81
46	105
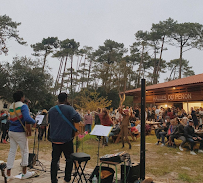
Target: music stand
39	120
100	130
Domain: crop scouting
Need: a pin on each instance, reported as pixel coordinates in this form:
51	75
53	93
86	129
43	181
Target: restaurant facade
183	93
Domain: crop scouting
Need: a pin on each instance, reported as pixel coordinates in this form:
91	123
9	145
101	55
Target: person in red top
170	114
105	121
105	118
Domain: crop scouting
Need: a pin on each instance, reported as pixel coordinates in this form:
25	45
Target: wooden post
142	139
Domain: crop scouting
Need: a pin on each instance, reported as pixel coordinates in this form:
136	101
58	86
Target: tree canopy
8	30
108	70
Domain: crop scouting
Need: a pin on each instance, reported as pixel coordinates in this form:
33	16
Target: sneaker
8	178
200	151
157	143
162	145
5	142
28	175
193	153
181	149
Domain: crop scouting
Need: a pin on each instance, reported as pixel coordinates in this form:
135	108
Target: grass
161	162
185	177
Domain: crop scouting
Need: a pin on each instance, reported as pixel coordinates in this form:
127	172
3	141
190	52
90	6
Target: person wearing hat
191	137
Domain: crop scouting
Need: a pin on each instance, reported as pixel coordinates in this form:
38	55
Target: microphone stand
38	162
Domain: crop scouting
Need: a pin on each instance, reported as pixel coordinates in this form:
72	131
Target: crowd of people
173	123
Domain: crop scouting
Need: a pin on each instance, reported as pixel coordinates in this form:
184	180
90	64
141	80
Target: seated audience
162	131
191	137
115	130
170	131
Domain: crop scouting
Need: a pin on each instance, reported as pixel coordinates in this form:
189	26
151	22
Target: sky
91	22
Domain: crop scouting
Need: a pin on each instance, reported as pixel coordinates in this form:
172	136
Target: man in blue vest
61	135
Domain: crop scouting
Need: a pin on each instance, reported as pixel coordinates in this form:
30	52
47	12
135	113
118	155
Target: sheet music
100	130
39	119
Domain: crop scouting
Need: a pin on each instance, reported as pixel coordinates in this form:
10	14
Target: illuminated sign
172	97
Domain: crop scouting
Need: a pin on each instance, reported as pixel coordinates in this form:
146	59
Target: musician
124	126
19	113
61	136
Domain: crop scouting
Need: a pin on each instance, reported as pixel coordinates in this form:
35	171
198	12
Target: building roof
174	83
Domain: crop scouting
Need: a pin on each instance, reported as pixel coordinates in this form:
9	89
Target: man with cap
191	137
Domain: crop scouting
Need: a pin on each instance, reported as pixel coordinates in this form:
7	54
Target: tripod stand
35	160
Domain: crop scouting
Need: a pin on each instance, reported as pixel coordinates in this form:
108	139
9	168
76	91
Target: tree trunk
140	66
83	73
122	99
45	57
155	67
58	75
181	54
71	80
63	74
158	67
89	73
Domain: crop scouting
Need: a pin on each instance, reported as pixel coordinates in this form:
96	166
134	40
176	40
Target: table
199	133
152	124
114	164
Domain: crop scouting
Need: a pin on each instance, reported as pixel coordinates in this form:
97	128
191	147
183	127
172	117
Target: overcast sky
91	22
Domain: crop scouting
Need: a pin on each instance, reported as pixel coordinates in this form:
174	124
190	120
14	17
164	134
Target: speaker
132	173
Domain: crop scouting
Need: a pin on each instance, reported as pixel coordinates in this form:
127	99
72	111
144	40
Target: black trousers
4	129
43	131
57	149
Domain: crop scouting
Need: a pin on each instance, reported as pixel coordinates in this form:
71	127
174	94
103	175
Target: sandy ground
43	176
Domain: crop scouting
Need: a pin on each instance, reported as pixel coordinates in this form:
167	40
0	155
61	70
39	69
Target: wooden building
183	93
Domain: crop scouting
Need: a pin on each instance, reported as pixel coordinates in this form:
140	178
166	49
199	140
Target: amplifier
132	173
117	157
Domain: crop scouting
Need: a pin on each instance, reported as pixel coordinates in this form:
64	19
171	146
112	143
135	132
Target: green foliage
173	67
8	30
4	81
110	52
46	47
128	101
26	75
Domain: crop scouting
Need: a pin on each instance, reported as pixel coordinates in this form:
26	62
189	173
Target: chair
79	170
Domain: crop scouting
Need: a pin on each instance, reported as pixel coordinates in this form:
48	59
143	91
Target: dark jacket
60	130
189	132
116	129
179	130
97	120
